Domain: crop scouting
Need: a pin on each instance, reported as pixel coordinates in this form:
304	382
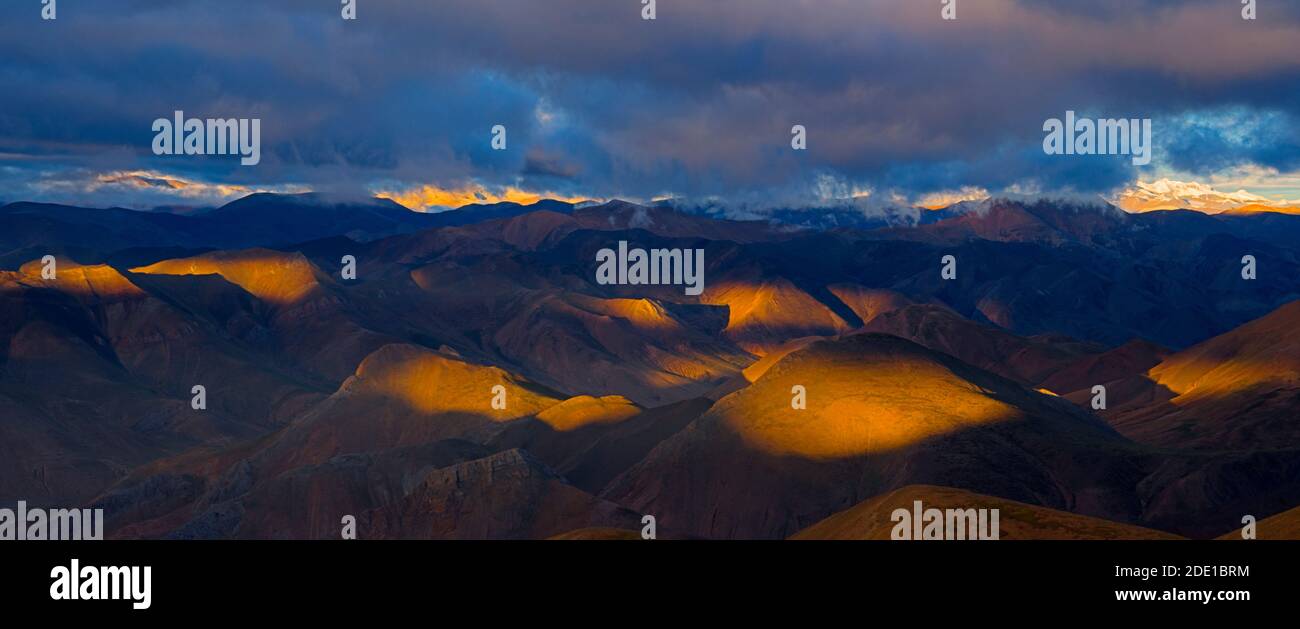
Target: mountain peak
97	280
875	392
586	410
275	277
432	382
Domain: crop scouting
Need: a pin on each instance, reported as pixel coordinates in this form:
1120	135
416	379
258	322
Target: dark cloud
599	102
1232	137
539	164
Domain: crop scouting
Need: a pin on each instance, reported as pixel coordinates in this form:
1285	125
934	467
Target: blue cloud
598	102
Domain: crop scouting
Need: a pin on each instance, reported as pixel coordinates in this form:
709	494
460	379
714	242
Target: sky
899	104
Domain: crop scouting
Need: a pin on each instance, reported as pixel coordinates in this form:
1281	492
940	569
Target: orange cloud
427	196
944	198
169	184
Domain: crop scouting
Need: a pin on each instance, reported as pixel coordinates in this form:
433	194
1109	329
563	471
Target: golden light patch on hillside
1285	525
585	410
433	383
755	371
272	276
872	519
1264	352
644	314
764	315
891	397
1238	390
98	281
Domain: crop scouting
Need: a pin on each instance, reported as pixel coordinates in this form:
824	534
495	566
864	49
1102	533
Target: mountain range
473	380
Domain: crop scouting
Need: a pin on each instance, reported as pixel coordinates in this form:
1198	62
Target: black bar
245	580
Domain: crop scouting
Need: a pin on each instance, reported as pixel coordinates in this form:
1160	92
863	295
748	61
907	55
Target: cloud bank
599	103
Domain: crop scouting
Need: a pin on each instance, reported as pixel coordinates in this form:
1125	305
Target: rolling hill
881	413
873	519
373	396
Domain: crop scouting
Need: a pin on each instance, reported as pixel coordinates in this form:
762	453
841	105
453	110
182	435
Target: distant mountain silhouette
262	219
